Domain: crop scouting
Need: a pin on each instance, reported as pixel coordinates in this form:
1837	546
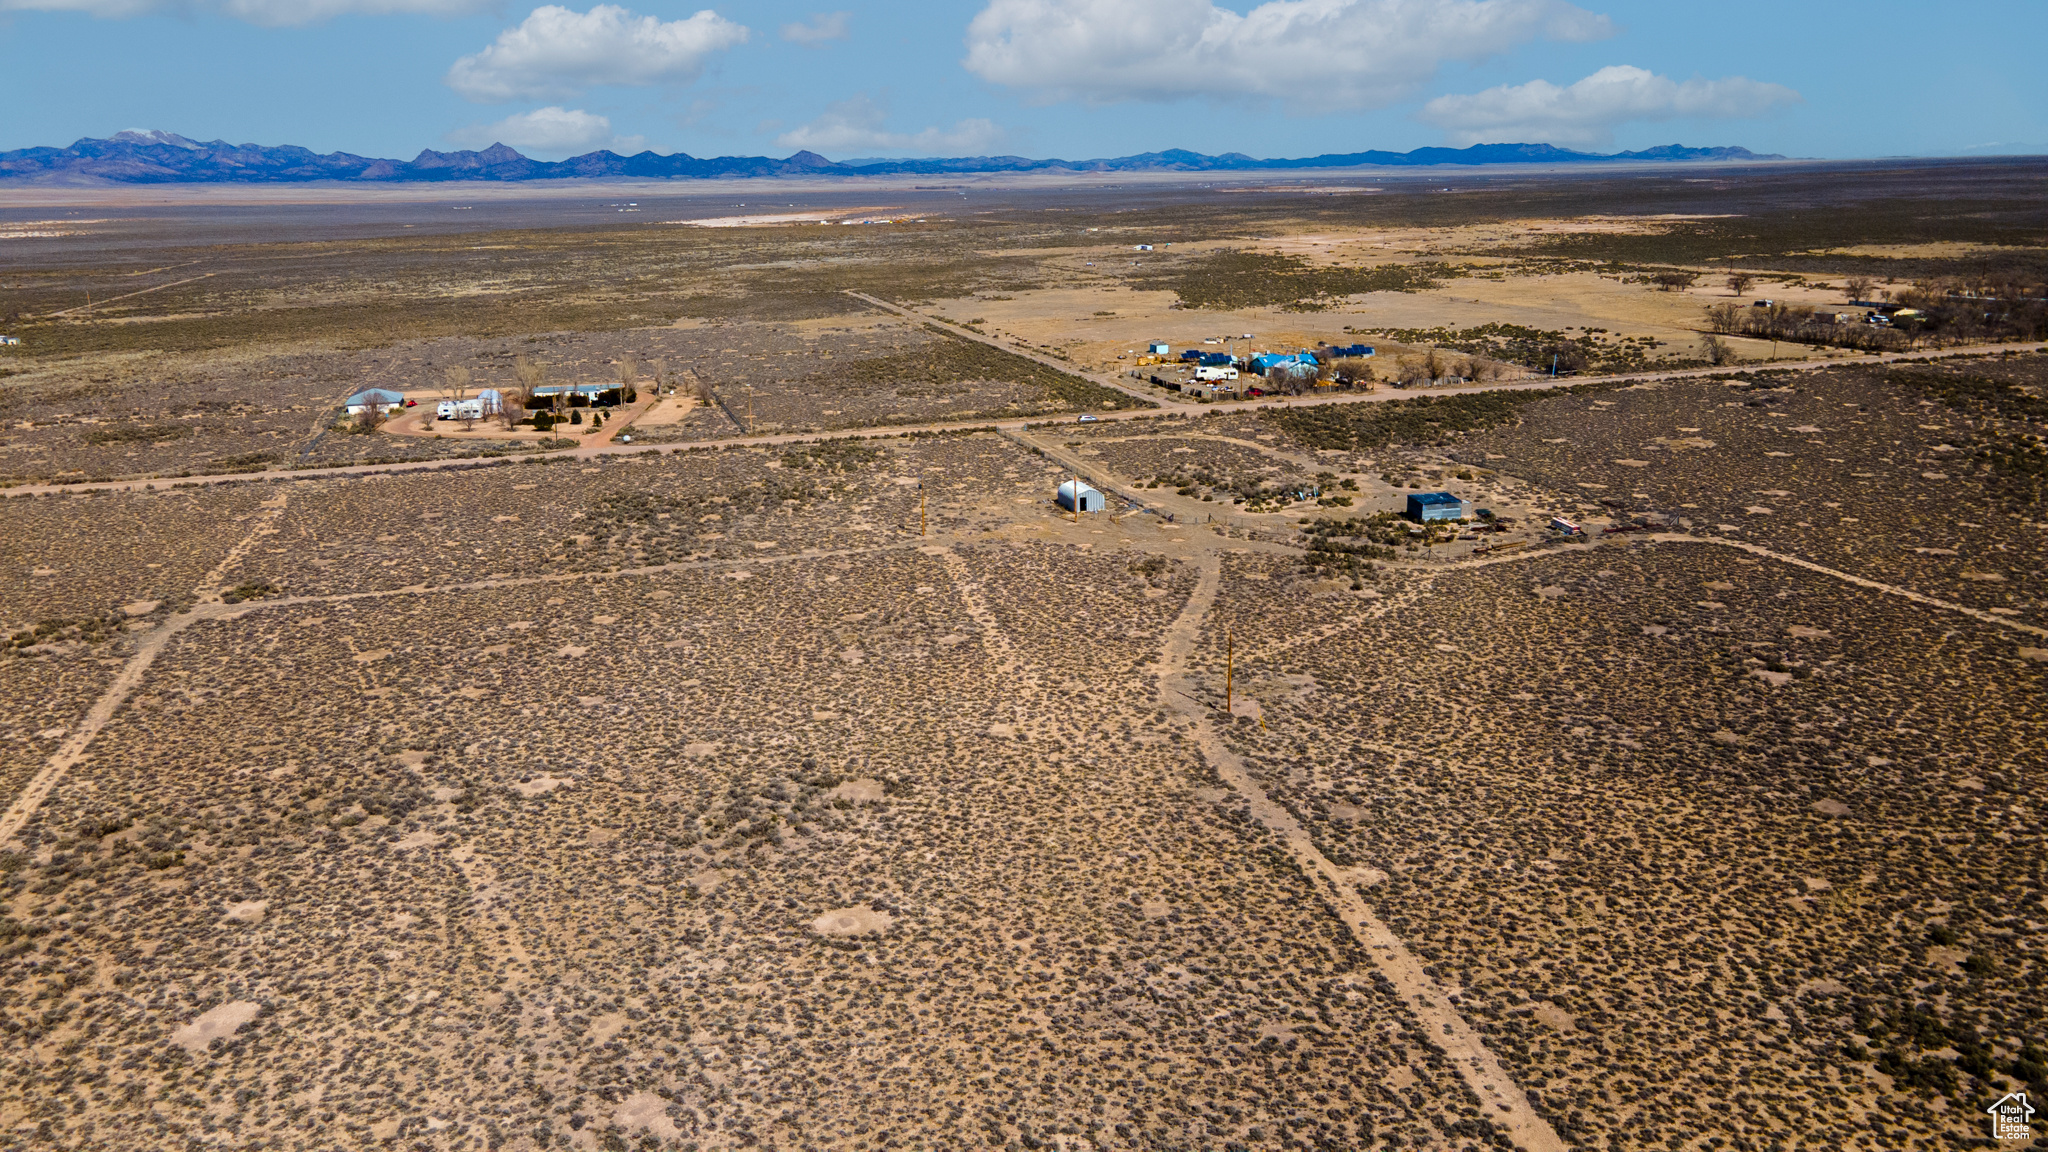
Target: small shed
1426	506
382	399
1159	348
1090	499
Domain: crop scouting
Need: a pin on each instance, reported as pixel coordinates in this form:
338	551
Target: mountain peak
153	136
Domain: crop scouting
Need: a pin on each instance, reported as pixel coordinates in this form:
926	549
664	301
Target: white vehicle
1215	373
459	410
1091	419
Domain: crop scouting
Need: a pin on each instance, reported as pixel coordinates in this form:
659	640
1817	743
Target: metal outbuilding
1426	506
1091	500
1159	348
382	399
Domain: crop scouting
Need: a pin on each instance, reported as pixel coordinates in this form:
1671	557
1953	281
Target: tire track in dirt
1506	1103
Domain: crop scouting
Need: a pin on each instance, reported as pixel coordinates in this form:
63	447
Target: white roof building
1090	499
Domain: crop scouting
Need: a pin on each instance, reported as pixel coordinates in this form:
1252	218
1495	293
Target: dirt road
605	448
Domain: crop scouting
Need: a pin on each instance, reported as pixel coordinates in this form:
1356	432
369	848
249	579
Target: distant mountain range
168	158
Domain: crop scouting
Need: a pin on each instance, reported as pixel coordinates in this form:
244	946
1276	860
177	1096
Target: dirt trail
993	342
969	591
892	430
1859	581
69	753
127	295
1507	1105
74	747
209	589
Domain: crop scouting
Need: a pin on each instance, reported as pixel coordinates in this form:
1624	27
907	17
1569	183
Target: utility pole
1229	672
920	506
750	409
1077	497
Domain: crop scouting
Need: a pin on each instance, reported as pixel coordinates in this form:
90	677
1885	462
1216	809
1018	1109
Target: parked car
1091	419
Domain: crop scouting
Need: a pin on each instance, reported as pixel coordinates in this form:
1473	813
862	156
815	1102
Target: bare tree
629	375
1740	283
1724	318
1716	351
458	383
1354	372
1858	287
1433	365
530	375
1673	279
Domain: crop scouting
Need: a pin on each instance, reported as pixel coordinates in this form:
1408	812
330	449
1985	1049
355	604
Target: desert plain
777	765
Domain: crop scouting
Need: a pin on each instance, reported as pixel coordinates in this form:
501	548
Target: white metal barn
1090	499
381	398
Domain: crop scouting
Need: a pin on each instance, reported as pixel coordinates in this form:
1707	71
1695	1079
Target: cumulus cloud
857	125
1585	114
275	13
558	52
821	28
1311	55
549	131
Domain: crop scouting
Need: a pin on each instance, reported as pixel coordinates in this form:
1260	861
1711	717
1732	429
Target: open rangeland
821	783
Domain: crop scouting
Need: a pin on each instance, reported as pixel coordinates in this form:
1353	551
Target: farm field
826	784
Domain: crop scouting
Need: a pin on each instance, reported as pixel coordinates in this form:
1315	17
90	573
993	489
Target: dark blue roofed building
1426	506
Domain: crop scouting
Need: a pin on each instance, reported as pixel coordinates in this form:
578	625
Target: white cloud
550	131
856	125
274	13
1313	55
823	26
108	9
1584	115
558	52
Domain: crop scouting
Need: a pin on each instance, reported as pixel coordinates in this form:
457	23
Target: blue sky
1071	78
